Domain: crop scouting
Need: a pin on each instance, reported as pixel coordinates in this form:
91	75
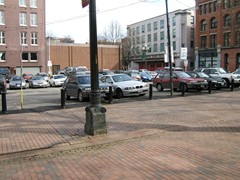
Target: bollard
183	89
4	102
150	91
232	84
63	98
209	87
110	94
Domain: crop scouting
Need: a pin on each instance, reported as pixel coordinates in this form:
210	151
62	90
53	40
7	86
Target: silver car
124	85
37	81
17	82
57	80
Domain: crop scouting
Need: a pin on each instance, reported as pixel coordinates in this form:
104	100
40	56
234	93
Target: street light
145	49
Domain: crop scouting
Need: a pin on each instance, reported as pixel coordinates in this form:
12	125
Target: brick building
64	55
218	34
22	35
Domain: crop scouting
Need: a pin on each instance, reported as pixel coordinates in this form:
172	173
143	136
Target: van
4	71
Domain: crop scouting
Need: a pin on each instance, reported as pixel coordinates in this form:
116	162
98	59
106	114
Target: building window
23	19
33	3
192	19
133	31
155	37
34	40
213	41
227	39
155	26
138	30
238	18
227	21
161	24
174	21
149	27
149	38
23	3
138	39
143	28
214	6
174	45
174	33
33	19
23	36
2	38
192	33
162	35
1	2
203	25
203	41
236	2
205	9
210	7
25	56
200	10
155	48
224	4
33	56
237	38
2	19
214	23
162	47
143	39
2	56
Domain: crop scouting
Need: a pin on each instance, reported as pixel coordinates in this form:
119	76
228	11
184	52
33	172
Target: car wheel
119	93
67	96
183	85
80	96
159	87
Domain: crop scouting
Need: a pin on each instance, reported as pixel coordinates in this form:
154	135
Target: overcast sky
68	18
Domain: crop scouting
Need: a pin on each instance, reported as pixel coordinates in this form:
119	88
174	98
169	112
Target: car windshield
84	80
17	78
182	74
121	78
202	75
222	71
58	77
37	78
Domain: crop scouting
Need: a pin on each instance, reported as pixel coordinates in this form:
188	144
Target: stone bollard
150	91
232	84
4	102
210	87
110	94
63	98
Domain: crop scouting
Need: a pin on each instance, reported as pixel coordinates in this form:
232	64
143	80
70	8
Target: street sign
183	54
49	63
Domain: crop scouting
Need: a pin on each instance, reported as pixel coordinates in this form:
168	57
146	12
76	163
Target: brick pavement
192	137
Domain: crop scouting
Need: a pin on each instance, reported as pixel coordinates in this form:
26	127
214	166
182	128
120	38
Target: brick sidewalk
192	137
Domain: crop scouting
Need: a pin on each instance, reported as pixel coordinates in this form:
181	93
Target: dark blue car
146	77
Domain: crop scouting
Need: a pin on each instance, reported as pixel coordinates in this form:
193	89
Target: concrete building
218	34
149	40
22	35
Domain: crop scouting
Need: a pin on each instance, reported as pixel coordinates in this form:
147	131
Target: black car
217	82
2	83
80	86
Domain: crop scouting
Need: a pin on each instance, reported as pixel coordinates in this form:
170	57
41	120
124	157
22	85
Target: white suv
220	72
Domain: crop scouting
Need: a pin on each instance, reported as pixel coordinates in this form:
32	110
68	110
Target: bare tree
67	39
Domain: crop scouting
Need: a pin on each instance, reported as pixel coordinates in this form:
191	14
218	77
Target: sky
68	18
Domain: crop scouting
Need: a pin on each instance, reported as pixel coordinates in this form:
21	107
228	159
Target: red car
179	79
27	76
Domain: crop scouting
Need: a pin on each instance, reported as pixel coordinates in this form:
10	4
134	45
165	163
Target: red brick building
22	35
217	34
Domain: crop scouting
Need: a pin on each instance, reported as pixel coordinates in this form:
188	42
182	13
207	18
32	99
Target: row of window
23	3
227	22
226	43
23	38
26	56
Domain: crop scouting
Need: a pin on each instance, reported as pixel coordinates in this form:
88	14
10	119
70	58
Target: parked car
17	82
80	86
153	73
57	80
180	80
4	71
44	75
37	81
134	75
3	83
27	76
145	76
217	82
124	85
220	72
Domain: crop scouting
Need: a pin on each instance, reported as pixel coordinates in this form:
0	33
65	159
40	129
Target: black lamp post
95	113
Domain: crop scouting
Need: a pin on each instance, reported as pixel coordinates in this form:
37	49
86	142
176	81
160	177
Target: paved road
169	137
